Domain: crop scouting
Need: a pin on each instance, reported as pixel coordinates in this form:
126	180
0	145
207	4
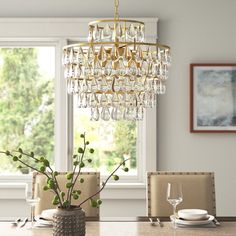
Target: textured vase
69	222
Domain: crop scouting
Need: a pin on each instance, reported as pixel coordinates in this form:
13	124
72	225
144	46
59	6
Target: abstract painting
213	98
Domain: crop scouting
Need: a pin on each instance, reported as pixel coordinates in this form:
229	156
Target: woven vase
69	222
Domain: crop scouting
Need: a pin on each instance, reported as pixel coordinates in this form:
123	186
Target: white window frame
57	32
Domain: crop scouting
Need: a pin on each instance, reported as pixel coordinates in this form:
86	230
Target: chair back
90	186
198	192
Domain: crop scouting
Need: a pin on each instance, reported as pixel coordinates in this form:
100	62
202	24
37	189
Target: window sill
12	187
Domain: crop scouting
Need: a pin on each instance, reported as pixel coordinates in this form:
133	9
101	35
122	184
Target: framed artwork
213	98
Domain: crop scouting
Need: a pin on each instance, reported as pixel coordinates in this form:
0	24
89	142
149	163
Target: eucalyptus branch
26	154
73	182
104	183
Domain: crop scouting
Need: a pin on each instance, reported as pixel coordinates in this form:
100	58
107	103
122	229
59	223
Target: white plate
41	221
193	214
194	222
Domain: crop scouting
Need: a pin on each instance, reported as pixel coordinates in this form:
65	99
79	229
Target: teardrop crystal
96	34
90	55
97	69
95	114
108	68
106	33
93	85
103	100
104	85
121	70
102	55
105	114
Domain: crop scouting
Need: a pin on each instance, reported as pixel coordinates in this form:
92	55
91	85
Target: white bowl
193	214
48	214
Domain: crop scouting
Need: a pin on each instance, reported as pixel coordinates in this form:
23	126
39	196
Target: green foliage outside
26	105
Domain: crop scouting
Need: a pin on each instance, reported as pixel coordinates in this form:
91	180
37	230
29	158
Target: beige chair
198	192
90	186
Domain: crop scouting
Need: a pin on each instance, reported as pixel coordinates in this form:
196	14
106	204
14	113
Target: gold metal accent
162	46
92	23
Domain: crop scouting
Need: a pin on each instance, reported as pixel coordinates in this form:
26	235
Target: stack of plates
193	217
46	218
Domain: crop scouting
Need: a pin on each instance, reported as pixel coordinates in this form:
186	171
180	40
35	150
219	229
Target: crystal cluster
117	75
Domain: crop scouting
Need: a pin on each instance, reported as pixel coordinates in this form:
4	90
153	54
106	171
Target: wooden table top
99	228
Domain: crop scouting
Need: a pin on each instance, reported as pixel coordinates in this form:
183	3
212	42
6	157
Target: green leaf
80	150
75	196
82	136
42	168
20	150
66	203
115	177
51	183
75	156
91	150
69	185
126	169
69	176
8	153
62	194
46	162
55	173
45	188
81	165
93	203
32	154
99	201
81	180
55	200
15	158
87	143
76	163
90	160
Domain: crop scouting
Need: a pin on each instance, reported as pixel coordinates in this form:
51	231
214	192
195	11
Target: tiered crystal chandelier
116	73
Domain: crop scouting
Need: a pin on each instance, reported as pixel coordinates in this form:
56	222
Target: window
26	102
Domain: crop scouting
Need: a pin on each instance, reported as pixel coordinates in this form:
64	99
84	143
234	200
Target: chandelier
116	73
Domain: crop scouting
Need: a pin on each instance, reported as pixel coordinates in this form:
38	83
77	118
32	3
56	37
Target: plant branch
104	183
81	160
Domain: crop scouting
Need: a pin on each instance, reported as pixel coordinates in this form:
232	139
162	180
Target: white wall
197	31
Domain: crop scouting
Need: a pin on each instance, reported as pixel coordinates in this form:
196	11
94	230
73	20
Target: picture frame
213	98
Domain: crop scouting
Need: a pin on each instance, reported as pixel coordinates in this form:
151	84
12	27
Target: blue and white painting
215	97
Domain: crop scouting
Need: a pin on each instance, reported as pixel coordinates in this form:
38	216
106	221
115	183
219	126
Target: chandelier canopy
116	73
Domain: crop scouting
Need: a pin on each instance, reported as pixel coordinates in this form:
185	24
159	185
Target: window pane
26	102
113	141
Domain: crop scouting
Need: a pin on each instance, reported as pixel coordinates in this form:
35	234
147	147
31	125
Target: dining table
129	227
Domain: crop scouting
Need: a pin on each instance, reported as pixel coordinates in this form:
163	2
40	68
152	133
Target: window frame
57	32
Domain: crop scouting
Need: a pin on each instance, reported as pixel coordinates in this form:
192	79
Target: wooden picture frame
213	98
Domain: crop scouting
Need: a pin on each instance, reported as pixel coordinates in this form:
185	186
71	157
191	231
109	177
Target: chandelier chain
116	9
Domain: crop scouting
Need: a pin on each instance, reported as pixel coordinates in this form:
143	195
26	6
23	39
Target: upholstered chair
90	186
198	192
